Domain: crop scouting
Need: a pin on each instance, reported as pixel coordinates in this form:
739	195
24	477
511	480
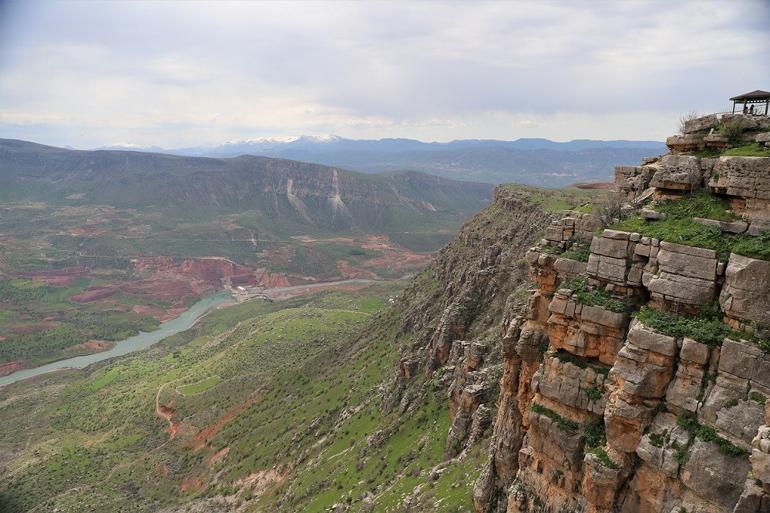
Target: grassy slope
278	408
93	439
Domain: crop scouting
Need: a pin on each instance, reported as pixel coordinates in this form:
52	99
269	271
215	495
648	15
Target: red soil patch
205	434
95	294
91	345
264	482
270	280
348	271
11	367
202	274
151	311
218	455
59	277
190	484
33	328
168	413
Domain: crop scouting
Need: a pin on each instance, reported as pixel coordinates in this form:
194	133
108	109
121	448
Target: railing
757	111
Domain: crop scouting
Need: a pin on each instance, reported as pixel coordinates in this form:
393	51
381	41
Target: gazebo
752	97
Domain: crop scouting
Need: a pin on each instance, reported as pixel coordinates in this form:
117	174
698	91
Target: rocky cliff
633	376
637	378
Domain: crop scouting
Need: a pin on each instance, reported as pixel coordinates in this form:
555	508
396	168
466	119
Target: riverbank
184	321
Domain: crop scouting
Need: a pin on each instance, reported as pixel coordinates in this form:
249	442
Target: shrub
603	457
685	118
593	434
595	297
708	434
657	440
758	398
563	423
733	129
593	394
581	363
706	328
579	251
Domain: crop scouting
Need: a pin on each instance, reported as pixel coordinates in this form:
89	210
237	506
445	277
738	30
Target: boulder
746	177
760	454
745	295
687	261
715	476
677	172
685	143
681	289
716	141
566	383
657	447
645	364
700	124
740	421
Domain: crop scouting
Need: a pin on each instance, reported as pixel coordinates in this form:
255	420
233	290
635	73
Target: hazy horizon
168	74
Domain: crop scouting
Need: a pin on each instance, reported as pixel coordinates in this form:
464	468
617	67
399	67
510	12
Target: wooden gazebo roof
752	97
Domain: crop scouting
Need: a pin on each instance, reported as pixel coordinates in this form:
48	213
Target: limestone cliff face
599	412
455	309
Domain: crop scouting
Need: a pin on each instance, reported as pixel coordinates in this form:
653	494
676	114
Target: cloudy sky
176	74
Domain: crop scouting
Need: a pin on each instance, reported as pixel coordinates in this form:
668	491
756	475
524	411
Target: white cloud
172	74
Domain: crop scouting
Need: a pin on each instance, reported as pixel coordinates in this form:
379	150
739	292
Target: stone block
682	289
739	358
746	293
687	261
683	143
606	246
694	351
701	124
747	177
599	315
715	476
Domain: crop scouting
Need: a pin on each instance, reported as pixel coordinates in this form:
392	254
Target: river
141	341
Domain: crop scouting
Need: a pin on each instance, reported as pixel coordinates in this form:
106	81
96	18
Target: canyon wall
603	405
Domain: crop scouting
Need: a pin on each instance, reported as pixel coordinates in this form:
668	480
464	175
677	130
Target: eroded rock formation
600	412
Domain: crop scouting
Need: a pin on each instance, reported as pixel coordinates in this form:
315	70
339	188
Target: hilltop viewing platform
745	133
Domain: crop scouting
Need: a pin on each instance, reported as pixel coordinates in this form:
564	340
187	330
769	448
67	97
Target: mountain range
531	161
294	196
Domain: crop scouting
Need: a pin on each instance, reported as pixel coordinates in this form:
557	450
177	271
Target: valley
291	405
95	250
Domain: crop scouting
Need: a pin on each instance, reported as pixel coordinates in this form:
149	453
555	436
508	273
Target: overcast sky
176	74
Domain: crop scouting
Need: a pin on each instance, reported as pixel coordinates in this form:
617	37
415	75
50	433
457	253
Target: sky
173	74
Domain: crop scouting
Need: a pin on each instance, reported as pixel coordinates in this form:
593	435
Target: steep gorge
636	378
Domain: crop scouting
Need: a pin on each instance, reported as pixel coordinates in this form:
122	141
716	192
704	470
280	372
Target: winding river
129	345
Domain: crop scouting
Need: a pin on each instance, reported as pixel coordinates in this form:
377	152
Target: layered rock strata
599	412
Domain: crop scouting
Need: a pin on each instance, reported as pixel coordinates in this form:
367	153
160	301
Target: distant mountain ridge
292	196
532	161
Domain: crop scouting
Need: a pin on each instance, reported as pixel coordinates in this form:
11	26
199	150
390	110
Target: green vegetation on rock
679	227
689	422
747	150
595	297
706	328
562	422
579	251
